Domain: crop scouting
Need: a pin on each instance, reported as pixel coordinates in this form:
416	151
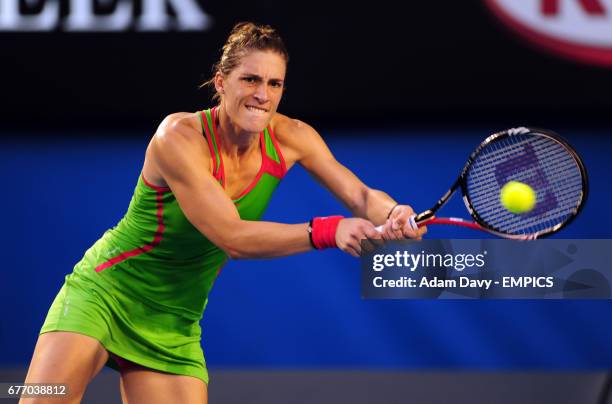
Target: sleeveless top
156	256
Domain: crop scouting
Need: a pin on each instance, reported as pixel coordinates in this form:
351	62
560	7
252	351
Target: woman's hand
401	225
351	232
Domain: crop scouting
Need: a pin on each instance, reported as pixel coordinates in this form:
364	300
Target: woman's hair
245	37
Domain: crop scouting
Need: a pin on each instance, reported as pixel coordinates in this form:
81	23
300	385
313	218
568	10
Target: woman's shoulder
295	137
176	140
180	122
182	130
290	130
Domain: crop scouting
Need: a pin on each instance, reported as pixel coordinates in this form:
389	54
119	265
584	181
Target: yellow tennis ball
517	197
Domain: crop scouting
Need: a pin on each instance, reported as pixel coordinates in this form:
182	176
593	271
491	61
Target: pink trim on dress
153	186
211	147
278	151
156	239
214	125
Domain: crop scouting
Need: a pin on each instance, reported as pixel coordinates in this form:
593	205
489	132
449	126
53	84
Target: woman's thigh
141	385
68	358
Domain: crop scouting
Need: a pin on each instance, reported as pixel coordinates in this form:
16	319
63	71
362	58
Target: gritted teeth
256	109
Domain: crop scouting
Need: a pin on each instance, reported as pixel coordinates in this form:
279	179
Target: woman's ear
219	83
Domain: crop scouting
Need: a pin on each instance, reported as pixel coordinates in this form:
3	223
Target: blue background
60	194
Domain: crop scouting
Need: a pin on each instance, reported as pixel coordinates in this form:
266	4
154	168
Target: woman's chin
254	126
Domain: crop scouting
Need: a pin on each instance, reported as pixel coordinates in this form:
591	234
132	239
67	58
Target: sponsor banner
488	269
97	16
577	29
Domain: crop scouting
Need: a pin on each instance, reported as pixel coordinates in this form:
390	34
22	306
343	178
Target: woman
135	299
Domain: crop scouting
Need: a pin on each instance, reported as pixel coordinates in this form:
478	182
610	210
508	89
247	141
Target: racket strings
539	161
548	210
546	207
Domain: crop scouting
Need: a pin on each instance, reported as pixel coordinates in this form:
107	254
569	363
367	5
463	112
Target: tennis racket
536	157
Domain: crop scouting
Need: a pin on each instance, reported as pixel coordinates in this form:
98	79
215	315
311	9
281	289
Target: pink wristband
323	232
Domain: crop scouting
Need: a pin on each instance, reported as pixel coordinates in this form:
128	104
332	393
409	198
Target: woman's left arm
309	149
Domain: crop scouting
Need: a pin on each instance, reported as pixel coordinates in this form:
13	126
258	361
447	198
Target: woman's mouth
256	110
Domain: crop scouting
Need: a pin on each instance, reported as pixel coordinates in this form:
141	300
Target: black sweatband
392	209
310	233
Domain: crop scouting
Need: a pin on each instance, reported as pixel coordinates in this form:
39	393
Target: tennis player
135	300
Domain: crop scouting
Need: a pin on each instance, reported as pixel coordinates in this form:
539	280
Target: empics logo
577	29
102	15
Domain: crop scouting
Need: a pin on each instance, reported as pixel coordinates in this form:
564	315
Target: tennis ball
517	197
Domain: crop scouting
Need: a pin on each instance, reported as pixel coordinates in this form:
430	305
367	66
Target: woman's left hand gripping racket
536	157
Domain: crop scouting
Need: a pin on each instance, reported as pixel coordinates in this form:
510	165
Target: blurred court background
402	93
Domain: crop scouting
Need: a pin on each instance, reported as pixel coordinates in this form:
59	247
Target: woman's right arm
178	152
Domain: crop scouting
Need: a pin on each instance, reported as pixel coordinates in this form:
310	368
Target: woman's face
252	91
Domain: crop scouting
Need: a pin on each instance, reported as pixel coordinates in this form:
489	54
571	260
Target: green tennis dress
142	288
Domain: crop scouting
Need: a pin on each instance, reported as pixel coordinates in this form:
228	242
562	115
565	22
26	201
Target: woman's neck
234	141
